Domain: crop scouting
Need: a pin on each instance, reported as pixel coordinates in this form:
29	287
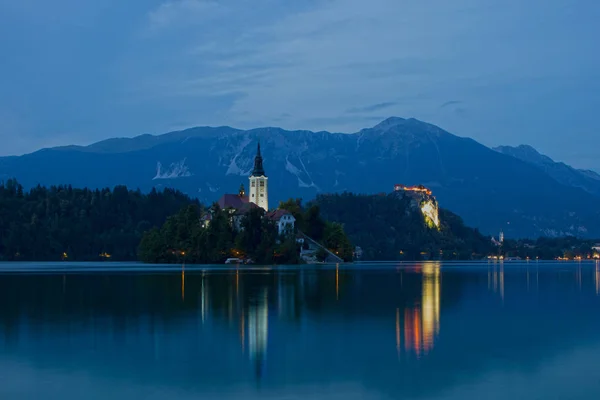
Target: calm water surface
422	331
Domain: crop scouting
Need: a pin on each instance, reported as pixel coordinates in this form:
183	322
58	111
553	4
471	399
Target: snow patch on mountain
233	168
212	188
175	170
291	168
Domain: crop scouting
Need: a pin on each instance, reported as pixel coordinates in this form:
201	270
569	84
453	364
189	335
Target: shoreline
62	267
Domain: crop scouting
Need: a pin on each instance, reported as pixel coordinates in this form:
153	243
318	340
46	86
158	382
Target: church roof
232	201
245	208
258	169
277	214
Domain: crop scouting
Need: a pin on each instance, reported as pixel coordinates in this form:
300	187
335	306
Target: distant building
205	220
419	188
358	253
284	219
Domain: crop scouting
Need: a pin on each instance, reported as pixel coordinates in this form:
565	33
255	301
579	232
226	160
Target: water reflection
258	329
496	278
229	330
422	321
597	278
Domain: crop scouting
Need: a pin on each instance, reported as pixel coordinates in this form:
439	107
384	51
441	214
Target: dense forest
183	239
63	223
388	228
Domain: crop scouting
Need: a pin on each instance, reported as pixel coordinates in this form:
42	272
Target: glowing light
419	188
430	212
103	255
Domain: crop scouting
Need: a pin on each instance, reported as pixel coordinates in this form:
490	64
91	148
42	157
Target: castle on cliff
422	199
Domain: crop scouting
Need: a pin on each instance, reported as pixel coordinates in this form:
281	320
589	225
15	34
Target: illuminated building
422	198
418	189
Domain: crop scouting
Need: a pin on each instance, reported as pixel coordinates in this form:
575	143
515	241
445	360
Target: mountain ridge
490	190
587	180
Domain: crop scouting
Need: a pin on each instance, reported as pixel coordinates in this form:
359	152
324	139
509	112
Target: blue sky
499	71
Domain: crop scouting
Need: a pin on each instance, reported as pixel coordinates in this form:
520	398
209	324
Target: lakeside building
240	204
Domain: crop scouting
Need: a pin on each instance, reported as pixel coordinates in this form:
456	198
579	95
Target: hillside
390	227
489	190
561	172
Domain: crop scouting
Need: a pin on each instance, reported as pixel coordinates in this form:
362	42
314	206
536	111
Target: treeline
183	239
389	228
60	222
550	248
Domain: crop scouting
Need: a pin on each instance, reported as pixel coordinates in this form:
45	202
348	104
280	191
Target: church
258	197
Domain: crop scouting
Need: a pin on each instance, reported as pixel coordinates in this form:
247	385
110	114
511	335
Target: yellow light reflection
337	281
430	304
497	279
182	283
422	322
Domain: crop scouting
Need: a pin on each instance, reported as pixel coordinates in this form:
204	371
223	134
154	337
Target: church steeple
259	190
258	164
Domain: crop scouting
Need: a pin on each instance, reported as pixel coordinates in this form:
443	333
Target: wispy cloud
325	64
178	12
451	103
371	108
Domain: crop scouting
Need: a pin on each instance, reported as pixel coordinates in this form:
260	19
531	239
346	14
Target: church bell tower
259	193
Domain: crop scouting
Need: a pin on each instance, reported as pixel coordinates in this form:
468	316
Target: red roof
277	214
232	201
245	208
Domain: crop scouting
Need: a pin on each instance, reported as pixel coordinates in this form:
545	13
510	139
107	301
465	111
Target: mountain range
515	190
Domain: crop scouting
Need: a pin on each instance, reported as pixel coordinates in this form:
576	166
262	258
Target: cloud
184	11
147	63
450	103
371	108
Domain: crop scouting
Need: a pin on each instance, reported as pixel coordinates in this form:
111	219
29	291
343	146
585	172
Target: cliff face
423	200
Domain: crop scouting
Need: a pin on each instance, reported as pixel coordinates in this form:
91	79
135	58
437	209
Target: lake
366	331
